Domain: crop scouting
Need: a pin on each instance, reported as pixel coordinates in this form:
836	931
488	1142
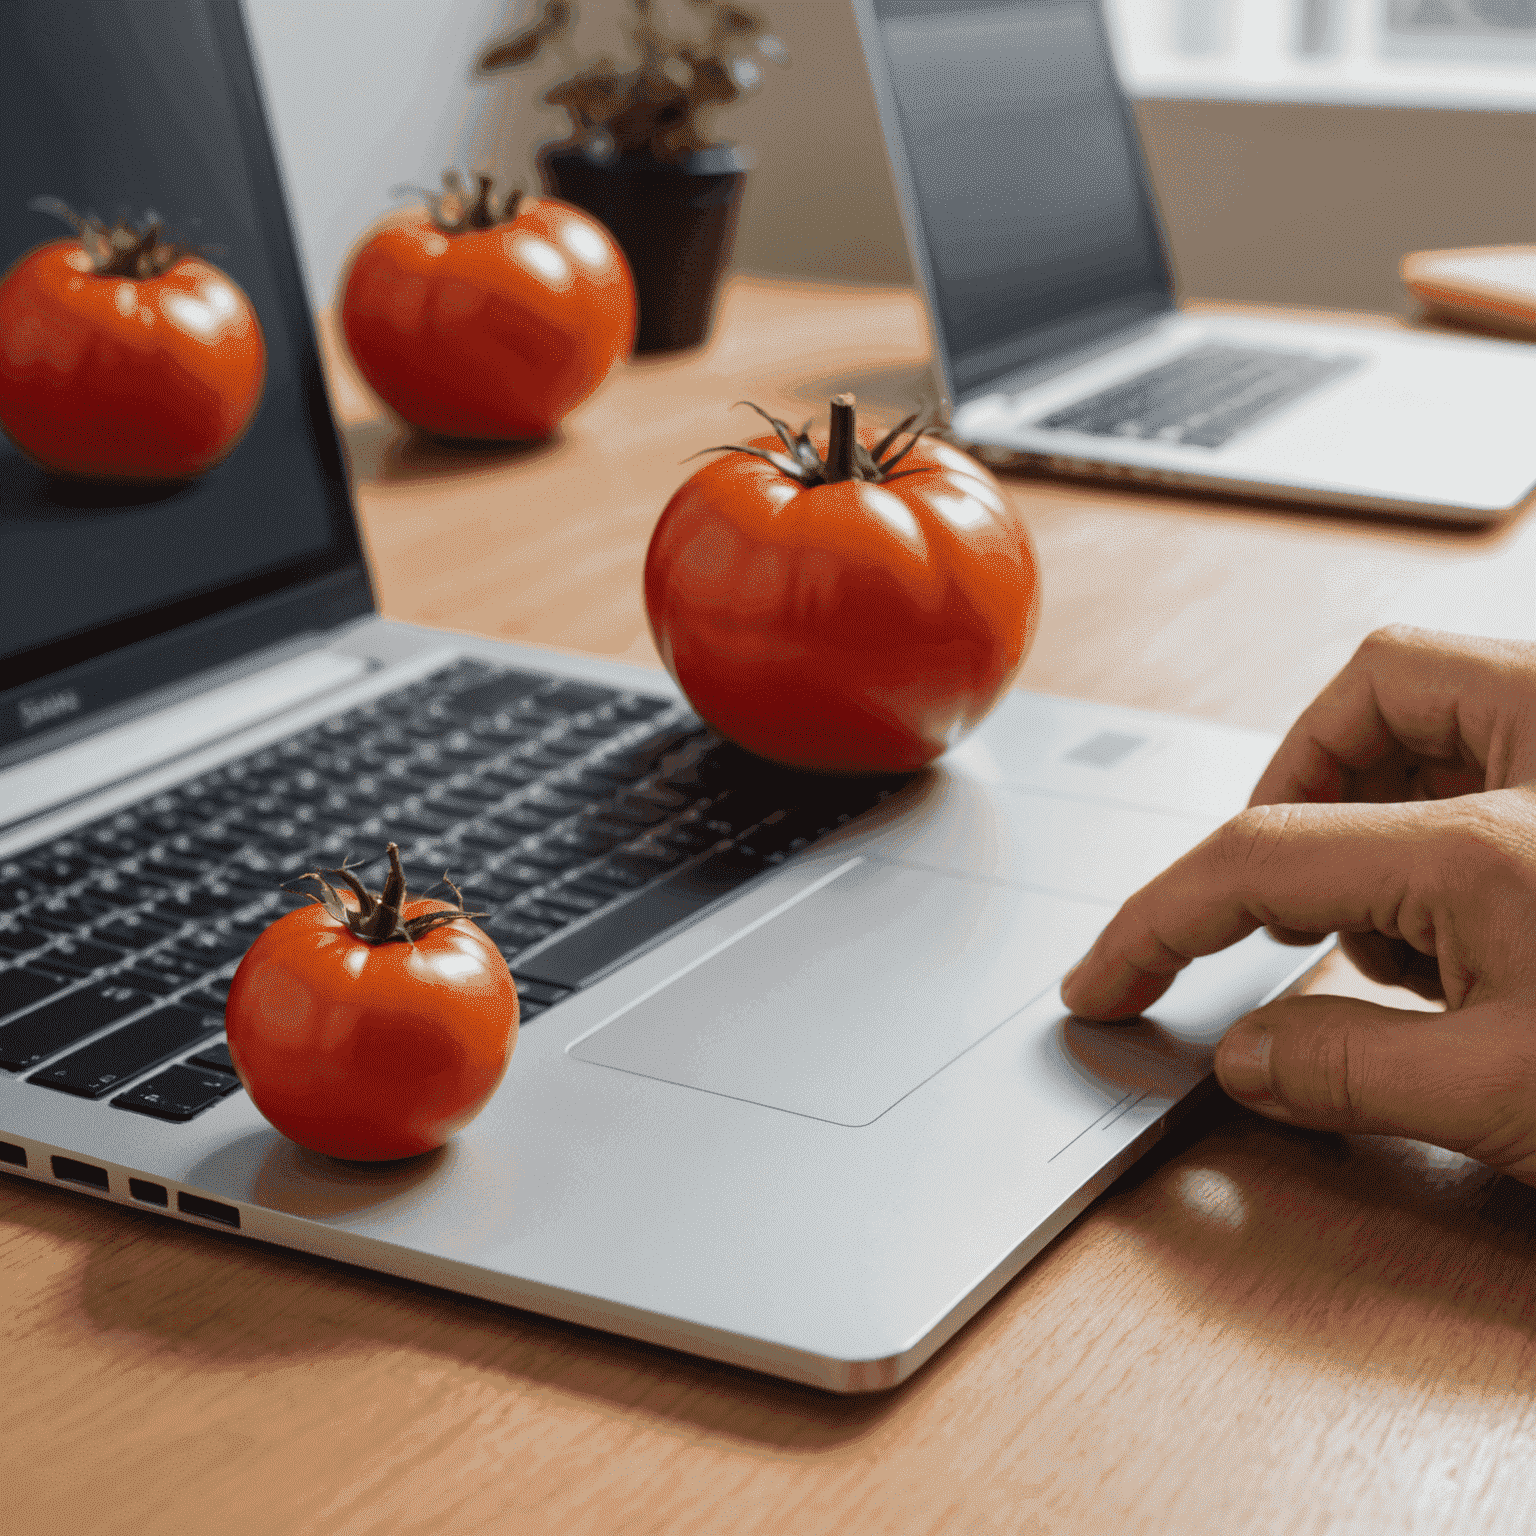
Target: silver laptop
795	1089
1032	223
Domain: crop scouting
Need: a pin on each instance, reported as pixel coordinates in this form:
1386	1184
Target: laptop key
422	823
172	964
489	697
511	931
643	859
575	959
607	880
134	931
152	981
212	947
566	898
95	1070
509	776
179	1093
74	912
487	889
574	698
215	1058
553	915
529	991
590	839
20	989
80	958
553	861
50	922
211	996
123	890
46	1031
20	937
178	871
58	870
520	819
635	813
637	706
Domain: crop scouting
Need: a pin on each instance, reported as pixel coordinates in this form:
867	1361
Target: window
1481	31
1457	53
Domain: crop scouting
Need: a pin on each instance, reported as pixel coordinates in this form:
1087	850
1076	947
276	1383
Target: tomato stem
846	459
385	919
456	209
119	250
842	443
376	917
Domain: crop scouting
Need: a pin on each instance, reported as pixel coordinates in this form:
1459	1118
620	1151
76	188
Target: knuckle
1480	843
1391	640
1345	1075
1501	1099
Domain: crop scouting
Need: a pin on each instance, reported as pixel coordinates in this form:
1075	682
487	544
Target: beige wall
1317	204
819	202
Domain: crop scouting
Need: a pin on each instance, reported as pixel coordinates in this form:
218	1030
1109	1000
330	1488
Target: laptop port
150	1194
10	1153
67	1169
209	1210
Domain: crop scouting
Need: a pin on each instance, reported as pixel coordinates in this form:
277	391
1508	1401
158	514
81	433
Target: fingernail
1242	1065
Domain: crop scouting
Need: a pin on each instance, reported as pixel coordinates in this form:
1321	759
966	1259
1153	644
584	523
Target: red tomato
123	377
371	1050
492	333
850	626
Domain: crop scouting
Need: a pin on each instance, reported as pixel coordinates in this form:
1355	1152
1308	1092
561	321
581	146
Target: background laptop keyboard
584	821
1202	398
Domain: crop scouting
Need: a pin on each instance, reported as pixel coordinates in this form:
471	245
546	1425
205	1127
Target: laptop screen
123	110
1027	176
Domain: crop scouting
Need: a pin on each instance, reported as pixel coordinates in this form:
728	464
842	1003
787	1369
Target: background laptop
796	1090
1031	221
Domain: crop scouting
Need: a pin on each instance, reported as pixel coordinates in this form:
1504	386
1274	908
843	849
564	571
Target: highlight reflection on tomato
477	321
371	1027
842	604
124	357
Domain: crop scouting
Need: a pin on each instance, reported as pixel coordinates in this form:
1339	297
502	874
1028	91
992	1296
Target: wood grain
1260	1330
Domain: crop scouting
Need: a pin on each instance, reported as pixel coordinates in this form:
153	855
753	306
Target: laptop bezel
83	677
1068	336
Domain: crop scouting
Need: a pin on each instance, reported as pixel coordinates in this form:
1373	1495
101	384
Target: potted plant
639	157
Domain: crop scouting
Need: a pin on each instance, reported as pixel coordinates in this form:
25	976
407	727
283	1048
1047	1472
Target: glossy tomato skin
122	378
494	333
850	628
370	1051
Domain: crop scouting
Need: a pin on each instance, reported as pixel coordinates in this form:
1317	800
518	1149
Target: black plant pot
674	221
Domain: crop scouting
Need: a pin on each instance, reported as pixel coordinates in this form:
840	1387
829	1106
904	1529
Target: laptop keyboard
1202	398
584	821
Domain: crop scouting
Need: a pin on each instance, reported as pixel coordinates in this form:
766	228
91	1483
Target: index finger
1409	695
1310	868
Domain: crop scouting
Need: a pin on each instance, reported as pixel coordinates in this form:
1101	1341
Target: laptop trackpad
852	995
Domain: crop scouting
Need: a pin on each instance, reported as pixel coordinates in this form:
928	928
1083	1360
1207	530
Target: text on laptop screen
1026	174
120	110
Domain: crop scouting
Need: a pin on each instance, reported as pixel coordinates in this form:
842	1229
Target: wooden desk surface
1266	1331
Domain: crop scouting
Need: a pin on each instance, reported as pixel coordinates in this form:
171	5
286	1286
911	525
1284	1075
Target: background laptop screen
119	109
1027	175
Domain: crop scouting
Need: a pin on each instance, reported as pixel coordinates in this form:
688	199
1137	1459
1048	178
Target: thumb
1464	1080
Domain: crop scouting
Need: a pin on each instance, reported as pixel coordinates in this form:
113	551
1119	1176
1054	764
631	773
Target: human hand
1400	811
